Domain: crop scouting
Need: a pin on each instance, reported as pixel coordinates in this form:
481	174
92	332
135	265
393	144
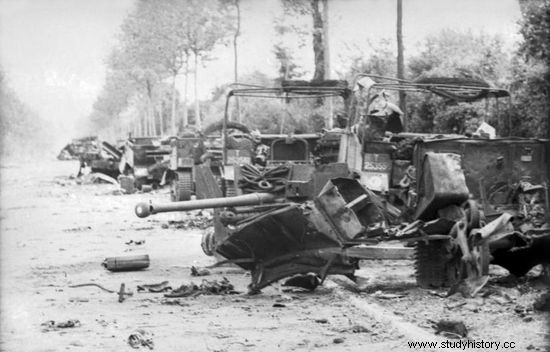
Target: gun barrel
145	209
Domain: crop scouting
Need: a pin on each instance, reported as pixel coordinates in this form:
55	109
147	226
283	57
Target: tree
318	10
23	134
113	99
208	22
288	69
156	43
533	81
235	37
401	59
452	53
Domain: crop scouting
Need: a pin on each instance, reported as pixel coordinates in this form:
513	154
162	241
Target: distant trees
160	40
23	134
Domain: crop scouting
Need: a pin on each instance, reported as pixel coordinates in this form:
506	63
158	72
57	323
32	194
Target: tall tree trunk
318	42
401	61
161	118
197	109
142	131
326	58
150	117
173	131
237	33
185	93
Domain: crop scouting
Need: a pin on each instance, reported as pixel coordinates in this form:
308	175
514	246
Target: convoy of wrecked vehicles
312	204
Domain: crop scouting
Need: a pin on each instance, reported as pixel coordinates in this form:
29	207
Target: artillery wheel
208	242
437	264
181	186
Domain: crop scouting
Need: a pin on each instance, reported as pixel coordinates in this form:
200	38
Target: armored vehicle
146	159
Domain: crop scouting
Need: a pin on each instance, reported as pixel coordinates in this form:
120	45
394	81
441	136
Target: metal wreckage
311	205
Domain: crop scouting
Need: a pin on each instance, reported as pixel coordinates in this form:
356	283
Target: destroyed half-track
429	176
104	158
144	161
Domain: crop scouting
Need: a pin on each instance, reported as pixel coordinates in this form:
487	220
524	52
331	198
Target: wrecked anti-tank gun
276	236
280	221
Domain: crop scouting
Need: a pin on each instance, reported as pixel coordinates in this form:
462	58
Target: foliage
155	44
301	8
270	115
531	83
459	54
535	29
380	60
23	133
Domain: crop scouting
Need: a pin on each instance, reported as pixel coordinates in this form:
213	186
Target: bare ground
55	233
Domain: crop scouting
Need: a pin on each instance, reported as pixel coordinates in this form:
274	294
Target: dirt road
55	233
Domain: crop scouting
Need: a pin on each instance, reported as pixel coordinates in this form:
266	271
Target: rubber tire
208	243
436	265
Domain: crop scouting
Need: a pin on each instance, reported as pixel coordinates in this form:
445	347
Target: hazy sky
53	51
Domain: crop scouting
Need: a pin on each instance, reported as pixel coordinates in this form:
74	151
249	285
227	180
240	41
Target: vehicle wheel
208	242
437	264
181	186
127	183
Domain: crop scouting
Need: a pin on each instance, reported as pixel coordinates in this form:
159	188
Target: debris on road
451	328
155	288
51	325
174	302
339	340
214	287
122	293
381	295
96	177
543	303
137	243
127	263
140	338
196	222
306	281
78	229
92	284
199	271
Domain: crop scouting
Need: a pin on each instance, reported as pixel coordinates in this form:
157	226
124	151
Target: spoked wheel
437	264
181	186
208	242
